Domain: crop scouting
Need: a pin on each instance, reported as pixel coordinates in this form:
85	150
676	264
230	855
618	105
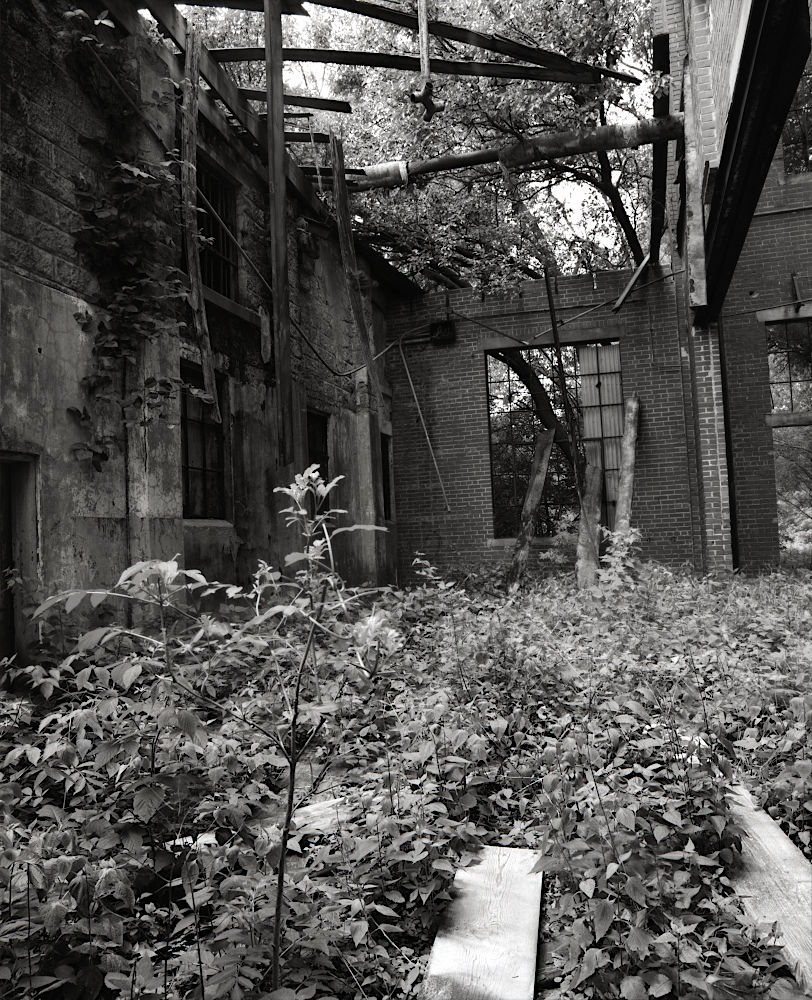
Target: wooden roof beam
411	64
466	36
288	6
300	101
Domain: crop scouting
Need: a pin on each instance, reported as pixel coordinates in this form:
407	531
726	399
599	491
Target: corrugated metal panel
592	421
611	453
611	388
612	421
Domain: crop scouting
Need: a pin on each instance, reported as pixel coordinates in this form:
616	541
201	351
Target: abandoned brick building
81	497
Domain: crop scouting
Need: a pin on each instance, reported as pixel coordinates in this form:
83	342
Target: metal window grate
218	255
595	391
202	451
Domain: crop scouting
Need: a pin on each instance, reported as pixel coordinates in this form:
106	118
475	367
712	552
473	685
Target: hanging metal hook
425	95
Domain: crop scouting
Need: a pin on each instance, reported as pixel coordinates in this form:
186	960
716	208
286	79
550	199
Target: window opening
789	355
7	637
218	255
386	475
317	454
202	449
594	387
798	128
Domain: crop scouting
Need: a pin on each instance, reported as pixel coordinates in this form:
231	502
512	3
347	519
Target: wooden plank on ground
775	884
487	950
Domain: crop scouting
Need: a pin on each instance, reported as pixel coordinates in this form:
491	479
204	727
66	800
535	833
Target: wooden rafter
288	6
411	64
300	101
455	33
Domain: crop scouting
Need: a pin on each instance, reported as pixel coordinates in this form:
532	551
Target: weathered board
487	950
775	884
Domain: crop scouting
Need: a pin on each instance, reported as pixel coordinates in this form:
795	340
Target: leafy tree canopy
474	225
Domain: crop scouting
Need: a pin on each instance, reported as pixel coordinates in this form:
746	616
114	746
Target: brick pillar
715	495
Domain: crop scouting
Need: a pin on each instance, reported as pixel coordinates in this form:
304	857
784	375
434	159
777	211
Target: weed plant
153	770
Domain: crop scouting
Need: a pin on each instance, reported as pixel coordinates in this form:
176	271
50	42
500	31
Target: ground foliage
151	773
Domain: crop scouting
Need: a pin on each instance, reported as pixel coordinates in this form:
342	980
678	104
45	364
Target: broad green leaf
603	913
633	988
147	801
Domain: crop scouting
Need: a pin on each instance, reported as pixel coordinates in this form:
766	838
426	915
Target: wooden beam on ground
775	882
488	946
300	101
550	146
409	64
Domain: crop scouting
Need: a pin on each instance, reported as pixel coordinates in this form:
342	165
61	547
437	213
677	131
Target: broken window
317	428
789	353
595	392
798	129
218	253
203	452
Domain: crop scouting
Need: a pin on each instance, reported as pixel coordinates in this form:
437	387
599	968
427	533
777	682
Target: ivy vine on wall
129	208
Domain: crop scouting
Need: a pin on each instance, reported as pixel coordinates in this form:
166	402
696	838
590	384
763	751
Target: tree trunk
628	448
587	560
535	488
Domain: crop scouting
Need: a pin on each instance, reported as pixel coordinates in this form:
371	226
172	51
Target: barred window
789	352
203	453
595	393
218	254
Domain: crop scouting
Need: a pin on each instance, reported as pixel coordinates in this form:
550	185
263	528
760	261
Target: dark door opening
18	546
7	638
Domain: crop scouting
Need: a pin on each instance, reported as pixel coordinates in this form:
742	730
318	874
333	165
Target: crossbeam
288	6
411	64
455	33
299	101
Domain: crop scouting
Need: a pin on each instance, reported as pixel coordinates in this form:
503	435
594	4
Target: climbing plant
128	207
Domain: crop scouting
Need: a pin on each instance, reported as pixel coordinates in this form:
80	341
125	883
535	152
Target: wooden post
587	560
350	263
277	219
535	488
628	446
188	182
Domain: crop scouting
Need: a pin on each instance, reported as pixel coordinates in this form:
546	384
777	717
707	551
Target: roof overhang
775	50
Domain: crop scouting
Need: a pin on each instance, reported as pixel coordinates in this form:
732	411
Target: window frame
219	258
191	375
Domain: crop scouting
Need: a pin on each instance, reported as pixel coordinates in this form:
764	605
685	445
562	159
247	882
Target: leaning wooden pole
628	448
191	235
535	489
587	558
277	222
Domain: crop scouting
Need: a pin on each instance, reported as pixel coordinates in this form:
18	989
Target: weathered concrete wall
90	524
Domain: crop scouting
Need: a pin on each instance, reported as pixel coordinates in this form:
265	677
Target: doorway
18	545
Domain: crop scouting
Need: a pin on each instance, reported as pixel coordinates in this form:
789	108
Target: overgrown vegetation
154	775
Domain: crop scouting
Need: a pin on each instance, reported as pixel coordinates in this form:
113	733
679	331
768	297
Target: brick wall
450	383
